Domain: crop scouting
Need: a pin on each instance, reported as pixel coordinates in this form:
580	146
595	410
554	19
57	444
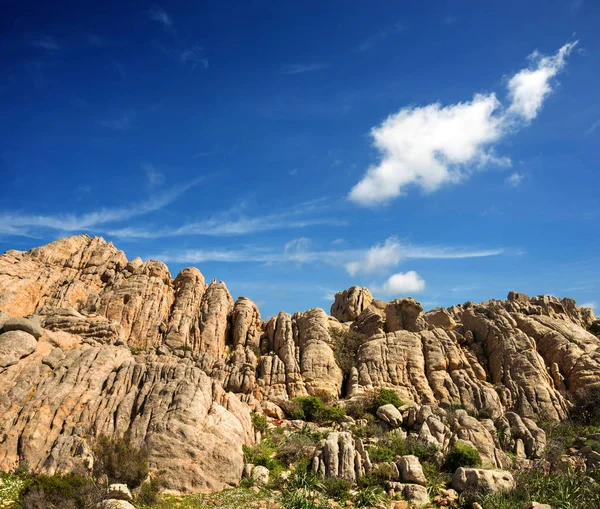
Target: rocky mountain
91	343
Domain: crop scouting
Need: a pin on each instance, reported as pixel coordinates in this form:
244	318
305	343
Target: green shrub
259	422
148	492
386	397
262	454
371	496
586	410
120	461
346	344
312	409
64	491
564	490
296	447
337	489
462	455
393	444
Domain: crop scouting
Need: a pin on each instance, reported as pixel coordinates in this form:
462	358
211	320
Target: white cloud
592	305
389	254
402	283
46	42
299	251
515	179
529	87
379	257
153	176
434	145
160	15
302	68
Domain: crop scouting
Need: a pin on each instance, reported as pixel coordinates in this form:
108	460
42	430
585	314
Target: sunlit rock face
117	347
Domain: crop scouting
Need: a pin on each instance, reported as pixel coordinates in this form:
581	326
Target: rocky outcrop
93	343
53	404
350	303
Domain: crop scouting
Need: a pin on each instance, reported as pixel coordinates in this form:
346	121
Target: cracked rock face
74	312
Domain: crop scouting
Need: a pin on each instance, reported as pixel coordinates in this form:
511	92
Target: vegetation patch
462	455
312	409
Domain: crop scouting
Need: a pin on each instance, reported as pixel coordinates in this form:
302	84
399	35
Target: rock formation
91	343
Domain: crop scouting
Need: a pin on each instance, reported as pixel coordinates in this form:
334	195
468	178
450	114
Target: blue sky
448	151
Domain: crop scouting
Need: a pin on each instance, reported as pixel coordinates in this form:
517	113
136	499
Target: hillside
120	348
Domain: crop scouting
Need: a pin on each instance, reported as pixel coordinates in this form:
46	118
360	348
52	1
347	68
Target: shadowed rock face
203	361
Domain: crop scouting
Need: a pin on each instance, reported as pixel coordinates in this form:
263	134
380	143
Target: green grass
232	498
10	487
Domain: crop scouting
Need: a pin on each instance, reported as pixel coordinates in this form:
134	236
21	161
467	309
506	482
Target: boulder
116	504
14	345
489	481
260	475
23	324
411	470
119	492
390	414
535	505
272	410
417	495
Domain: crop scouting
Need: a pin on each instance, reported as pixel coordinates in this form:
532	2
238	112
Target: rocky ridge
115	347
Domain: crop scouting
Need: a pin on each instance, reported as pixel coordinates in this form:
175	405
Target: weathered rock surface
349	304
411	470
488	481
199	354
14	345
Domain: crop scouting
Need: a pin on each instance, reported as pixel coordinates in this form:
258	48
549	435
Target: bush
346	344
337	489
586	410
296	447
312	409
393	445
149	491
120	461
259	422
385	397
462	455
64	491
370	497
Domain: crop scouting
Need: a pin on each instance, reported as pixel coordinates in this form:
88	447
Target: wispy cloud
465	288
381	257
194	56
26	224
96	40
514	179
378	37
153	176
159	14
300	251
592	305
222	226
291	69
124	123
435	145
593	127
46	42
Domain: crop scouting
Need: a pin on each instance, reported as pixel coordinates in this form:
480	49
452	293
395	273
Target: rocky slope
113	346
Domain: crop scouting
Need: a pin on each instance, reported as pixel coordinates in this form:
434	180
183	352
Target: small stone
119	492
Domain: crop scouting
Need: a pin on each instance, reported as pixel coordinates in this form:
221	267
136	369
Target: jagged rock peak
350	303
